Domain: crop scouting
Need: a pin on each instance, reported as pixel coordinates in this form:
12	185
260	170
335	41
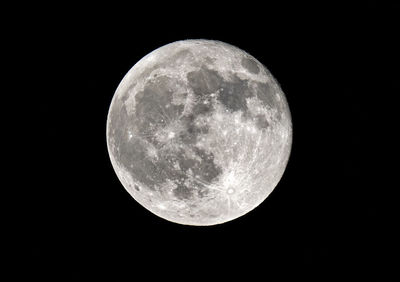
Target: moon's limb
199	132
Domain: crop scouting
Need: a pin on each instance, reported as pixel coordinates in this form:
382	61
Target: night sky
331	215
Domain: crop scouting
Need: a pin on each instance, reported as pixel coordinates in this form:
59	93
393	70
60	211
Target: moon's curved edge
117	167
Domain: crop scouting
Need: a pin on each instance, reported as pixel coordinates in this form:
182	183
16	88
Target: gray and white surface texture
199	132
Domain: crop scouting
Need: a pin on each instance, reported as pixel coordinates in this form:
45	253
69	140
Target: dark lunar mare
232	94
155	111
153	106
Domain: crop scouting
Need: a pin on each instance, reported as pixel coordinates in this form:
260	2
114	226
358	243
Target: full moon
199	132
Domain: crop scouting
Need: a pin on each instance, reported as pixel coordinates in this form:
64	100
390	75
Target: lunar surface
199	132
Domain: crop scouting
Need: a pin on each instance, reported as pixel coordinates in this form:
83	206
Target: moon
199	132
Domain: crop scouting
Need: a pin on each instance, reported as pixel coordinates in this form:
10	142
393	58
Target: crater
230	191
203	192
261	121
250	65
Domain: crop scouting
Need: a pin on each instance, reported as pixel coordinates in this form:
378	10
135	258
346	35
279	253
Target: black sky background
331	215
